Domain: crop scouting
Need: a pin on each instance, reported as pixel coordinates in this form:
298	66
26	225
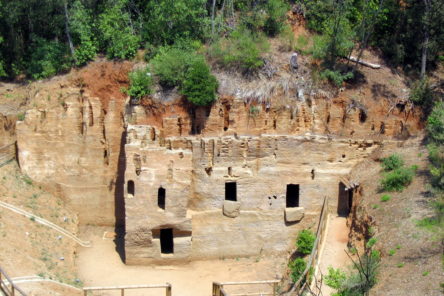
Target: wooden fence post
168	289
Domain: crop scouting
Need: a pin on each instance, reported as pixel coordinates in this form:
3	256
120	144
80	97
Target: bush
81	28
335	278
199	85
171	64
297	268
276	15
305	241
336	77
435	124
140	83
242	50
397	179
392	162
47	59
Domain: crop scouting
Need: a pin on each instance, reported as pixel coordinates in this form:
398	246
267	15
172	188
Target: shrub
276	15
47	59
297	268
140	83
336	77
171	64
392	162
305	241
397	179
335	278
199	85
435	124
421	93
81	28
385	198
242	50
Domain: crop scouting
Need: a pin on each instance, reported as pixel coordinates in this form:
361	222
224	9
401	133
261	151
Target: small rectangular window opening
161	193
231	191
292	197
166	241
130	187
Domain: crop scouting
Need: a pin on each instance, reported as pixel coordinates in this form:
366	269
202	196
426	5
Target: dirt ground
102	266
333	250
28	248
411	256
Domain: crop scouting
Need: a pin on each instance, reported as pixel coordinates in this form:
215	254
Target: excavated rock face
73	149
227	196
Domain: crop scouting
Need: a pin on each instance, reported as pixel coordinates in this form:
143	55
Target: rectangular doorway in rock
345	200
292	196
166	241
161	193
231	191
130	187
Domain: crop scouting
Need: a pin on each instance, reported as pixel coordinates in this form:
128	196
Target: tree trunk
212	18
68	34
426	38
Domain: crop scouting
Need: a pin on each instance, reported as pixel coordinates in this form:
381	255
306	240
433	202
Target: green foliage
421	93
118	38
47	59
336	77
385	198
2	63
397	179
199	85
287	39
392	162
336	40
435	124
276	15
171	64
335	278
371	242
392	252
81	27
173	20
305	241
140	83
297	268
243	50
21	116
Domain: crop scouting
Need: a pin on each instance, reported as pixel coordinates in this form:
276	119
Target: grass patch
385	198
375	206
392	252
400	265
397	179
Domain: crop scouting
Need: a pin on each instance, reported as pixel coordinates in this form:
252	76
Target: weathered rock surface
231	208
294	214
73	149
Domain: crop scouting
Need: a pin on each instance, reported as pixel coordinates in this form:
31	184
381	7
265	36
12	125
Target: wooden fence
7	153
122	289
218	288
304	281
7	286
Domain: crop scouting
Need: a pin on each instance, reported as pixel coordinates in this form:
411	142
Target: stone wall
194	170
72	149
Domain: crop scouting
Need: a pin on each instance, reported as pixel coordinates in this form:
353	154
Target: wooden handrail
300	285
6	281
166	286
218	288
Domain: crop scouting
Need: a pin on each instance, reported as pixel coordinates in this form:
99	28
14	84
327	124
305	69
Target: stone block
294	214
231	208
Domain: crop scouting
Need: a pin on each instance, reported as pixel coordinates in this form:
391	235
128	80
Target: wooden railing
122	289
7	286
7	153
218	288
304	280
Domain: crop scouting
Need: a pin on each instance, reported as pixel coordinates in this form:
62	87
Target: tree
82	30
118	38
199	85
171	20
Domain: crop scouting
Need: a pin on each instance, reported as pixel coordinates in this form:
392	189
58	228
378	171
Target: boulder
294	214
231	208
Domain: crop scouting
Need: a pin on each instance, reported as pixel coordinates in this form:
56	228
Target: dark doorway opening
345	200
292	197
231	191
130	187
161	198
166	241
